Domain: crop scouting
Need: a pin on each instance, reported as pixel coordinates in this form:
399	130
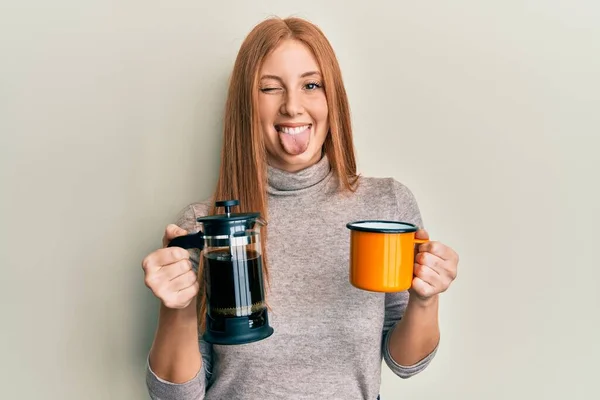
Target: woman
288	154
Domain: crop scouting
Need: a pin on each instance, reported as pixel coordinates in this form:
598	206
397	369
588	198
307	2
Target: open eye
312	86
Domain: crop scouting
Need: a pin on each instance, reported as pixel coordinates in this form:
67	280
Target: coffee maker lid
228	223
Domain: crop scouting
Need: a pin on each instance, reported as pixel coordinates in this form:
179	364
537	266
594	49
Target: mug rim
408	229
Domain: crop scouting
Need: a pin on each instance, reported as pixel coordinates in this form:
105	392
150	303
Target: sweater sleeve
160	389
395	303
195	388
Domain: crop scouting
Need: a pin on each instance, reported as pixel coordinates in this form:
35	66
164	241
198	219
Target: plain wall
110	118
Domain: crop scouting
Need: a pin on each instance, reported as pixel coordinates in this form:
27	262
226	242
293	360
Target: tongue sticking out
295	143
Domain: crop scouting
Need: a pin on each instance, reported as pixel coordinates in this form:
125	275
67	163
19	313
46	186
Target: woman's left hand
436	268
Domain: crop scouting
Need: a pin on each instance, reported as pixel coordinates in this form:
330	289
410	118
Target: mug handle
420	241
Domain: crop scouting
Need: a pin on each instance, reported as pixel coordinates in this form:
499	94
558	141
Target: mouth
292	129
294	138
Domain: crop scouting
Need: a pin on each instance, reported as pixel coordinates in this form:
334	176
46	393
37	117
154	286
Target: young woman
288	154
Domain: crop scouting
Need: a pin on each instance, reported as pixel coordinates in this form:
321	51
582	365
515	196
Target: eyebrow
304	75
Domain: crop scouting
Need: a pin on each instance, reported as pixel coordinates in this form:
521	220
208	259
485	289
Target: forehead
290	57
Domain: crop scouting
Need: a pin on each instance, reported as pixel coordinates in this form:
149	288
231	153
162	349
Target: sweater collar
283	181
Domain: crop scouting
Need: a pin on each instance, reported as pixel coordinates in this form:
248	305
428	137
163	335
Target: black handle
193	241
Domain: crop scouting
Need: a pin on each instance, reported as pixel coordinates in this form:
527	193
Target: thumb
422	234
171	232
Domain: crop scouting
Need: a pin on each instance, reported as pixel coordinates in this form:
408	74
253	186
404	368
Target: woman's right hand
168	272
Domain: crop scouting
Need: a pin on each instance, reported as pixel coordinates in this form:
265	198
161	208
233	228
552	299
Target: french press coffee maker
236	312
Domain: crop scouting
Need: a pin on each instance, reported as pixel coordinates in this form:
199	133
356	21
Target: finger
432	261
161	257
171	232
439	249
422	234
423	288
183	282
446	269
172	271
428	275
182	298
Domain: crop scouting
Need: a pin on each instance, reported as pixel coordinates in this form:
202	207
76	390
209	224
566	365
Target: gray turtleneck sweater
330	338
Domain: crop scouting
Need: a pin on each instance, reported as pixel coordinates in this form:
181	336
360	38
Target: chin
294	163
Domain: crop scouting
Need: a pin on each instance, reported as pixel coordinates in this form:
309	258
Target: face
292	107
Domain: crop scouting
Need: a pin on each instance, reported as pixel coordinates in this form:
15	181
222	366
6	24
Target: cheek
321	113
267	110
324	111
267	114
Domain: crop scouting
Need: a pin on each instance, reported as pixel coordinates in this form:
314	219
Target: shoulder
385	186
395	193
186	218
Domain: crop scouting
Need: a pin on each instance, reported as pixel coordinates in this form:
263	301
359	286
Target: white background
110	118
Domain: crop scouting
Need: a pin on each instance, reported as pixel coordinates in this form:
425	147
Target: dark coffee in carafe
235	285
231	250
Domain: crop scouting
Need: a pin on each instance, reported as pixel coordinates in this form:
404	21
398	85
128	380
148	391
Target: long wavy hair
243	170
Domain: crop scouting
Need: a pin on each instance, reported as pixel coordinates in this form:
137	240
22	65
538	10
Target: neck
293	168
284	180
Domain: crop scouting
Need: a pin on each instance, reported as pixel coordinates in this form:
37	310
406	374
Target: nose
291	105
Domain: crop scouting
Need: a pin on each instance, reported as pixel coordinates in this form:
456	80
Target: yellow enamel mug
382	255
